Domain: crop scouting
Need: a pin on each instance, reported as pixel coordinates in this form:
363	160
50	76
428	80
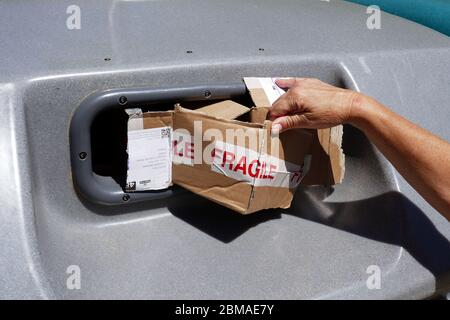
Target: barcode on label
165	133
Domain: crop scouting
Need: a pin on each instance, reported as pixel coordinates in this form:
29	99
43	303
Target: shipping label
149	159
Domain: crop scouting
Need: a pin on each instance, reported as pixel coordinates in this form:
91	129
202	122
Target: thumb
286	83
288	122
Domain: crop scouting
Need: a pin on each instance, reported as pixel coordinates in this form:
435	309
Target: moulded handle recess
104	190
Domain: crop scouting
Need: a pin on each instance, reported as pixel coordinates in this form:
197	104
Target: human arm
422	158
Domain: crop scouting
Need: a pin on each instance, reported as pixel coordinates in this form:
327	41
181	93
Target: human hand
311	103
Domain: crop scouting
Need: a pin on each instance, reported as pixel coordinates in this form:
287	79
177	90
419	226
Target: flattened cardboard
269	177
256	191
242	196
227	109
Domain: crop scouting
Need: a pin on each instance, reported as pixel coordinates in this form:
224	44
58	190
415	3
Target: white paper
272	91
149	159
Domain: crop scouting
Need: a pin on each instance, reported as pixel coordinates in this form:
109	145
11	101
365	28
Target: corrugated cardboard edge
331	141
226	202
336	153
284	197
266	127
179	108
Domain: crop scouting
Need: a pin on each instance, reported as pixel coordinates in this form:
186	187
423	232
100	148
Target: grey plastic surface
105	190
185	246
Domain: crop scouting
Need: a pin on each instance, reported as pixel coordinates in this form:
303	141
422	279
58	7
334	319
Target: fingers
280	107
287	82
287	103
288	122
286	111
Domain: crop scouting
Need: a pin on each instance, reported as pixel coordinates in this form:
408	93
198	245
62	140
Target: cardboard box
238	164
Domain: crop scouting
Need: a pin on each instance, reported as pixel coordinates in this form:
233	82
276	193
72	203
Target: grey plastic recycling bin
178	245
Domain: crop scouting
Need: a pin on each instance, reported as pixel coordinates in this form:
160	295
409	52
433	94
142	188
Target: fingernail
276	128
